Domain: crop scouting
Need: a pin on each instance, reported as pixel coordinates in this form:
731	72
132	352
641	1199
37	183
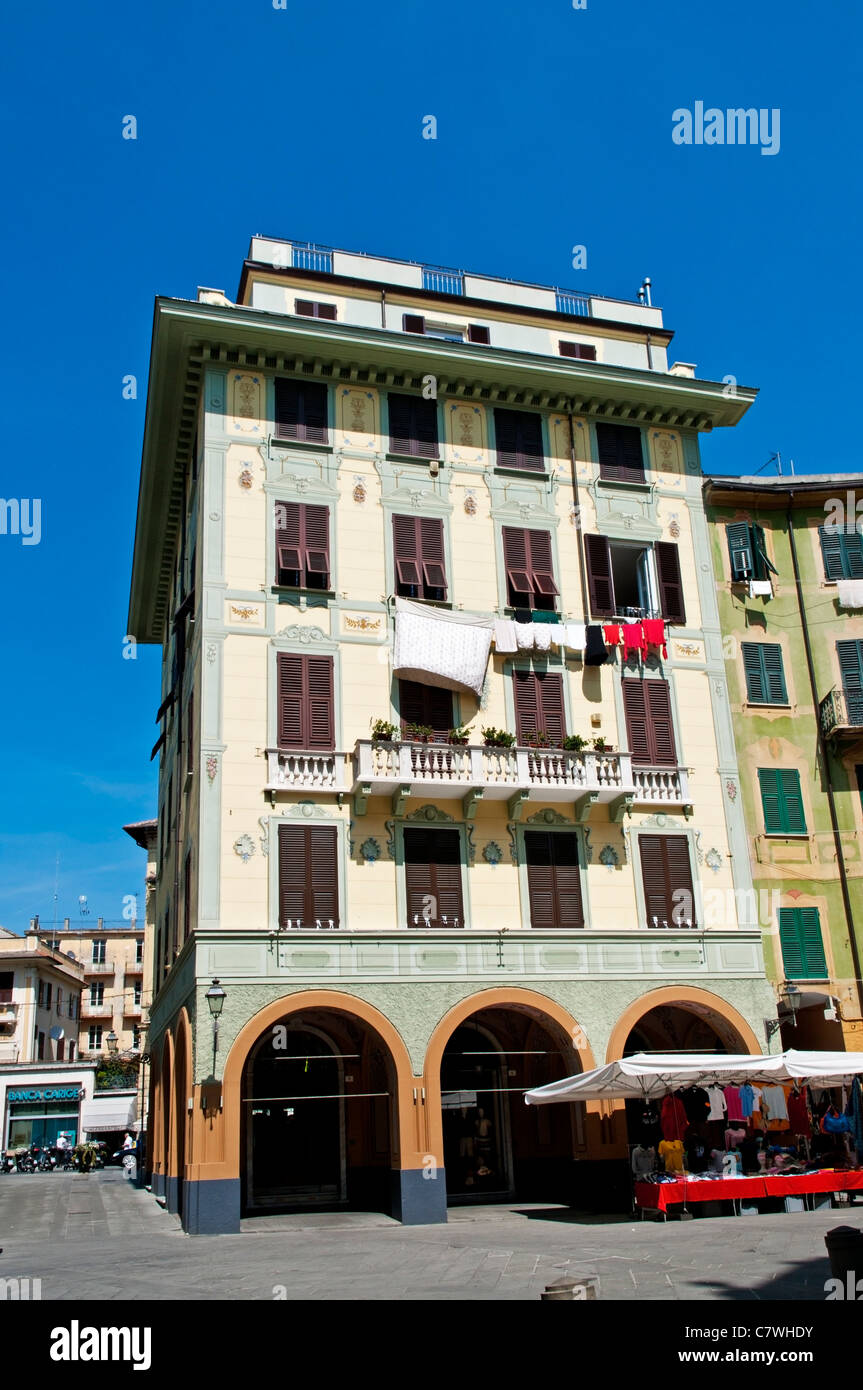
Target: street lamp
790	996
215	998
113	1041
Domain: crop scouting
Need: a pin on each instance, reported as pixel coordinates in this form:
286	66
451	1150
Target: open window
747	552
631	580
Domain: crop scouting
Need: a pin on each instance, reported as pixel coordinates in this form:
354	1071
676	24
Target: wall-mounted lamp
215	998
791	998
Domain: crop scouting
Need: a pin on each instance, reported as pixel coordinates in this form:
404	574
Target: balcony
98	967
8	1013
133	967
841	715
290	770
447	770
88	1010
132	1010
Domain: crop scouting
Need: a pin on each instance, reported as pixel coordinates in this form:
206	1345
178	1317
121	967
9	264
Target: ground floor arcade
321	1105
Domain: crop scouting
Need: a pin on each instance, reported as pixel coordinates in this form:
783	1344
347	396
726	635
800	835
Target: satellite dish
56	1033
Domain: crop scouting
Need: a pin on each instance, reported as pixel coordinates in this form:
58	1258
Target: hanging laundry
595	650
524	637
439	648
504	635
541	637
654	632
634	641
849	592
546	615
522	615
760	588
612	634
574	635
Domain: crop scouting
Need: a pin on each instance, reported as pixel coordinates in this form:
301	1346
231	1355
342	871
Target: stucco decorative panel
666	456
466	432
357	417
246	404
244	614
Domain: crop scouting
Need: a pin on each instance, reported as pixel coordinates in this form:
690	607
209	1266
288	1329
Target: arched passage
166	1076
179	1115
481	1059
319	1101
680	1017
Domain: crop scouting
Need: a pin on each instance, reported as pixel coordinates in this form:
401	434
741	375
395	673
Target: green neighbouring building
788	560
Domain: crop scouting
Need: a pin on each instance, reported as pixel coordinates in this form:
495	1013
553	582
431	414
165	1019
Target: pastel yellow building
448	791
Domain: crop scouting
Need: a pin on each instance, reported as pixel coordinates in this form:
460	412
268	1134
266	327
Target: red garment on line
634	640
672	1118
612	634
654	633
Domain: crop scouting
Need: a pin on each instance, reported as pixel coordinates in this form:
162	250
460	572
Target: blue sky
554	129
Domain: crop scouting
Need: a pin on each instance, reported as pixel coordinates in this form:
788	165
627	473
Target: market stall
738	1128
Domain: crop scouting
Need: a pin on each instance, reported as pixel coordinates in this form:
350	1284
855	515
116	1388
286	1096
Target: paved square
97	1237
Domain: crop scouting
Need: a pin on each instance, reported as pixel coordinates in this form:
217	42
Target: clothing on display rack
674	1120
697	1154
733	1108
799	1119
643	1160
774	1106
733	1137
696	1103
716	1097
649	1123
671	1153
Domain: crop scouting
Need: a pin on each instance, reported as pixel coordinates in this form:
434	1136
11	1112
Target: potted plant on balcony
383	731
460	735
419	733
574	743
540	738
497	738
601	746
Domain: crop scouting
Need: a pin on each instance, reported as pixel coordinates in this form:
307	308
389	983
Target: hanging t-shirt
697	1157
649	1123
747	1100
671	1153
717	1103
773	1101
696	1104
643	1161
674	1121
732	1103
733	1137
798	1114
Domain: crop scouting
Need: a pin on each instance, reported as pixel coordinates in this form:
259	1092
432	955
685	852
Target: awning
655	1074
98	1117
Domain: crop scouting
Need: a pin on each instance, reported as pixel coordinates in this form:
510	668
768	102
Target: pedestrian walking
130	1161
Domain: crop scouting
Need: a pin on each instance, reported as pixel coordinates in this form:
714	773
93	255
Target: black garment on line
522	615
595	650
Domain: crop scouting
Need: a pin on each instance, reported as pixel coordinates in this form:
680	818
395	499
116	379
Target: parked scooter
7	1162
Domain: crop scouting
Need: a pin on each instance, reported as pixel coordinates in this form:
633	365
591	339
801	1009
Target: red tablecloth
660	1195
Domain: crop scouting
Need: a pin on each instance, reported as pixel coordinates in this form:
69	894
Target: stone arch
182	1089
728	1021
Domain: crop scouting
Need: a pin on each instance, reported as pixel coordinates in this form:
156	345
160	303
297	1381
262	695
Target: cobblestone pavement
97	1237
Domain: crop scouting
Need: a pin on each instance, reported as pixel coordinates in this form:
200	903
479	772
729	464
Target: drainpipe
383	308
578	531
825	760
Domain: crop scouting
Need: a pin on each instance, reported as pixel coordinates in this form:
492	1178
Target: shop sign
45	1093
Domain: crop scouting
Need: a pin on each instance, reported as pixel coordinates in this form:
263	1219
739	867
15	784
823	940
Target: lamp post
790	996
215	998
113	1042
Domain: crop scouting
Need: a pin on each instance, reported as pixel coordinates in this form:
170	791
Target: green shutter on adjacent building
842	552
802	947
765	673
782	801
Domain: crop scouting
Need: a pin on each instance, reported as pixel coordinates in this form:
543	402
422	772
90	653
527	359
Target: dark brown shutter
418	887
301	410
433	870
292	875
517	565
413	426
314	413
287	408
432	556
599	579
291	699
418	552
670	583
538	705
316	545
518	437
585	351
413	323
322	875
305	307
426	704
541	563
554	882
665	870
478	333
635	709
289	558
621	458
405	555
660	723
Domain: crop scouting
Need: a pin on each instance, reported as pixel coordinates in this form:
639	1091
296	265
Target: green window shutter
740	550
781	801
763	564
765	673
802	945
833	553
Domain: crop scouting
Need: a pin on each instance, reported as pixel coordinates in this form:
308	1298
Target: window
40	999
413	426
94	1038
312	309
850	656
626	580
666	876
61	1051
433	877
98	956
190	734
97	995
48	993
747	552
139	952
187	899
529	568
301	411
842	553
538	697
40	1047
802	947
518	435
59	1003
586	351
781	801
428	705
7	980
308	876
136	997
73	1006
765	674
649	726
71	1050
136	1037
553	879
478	333
450	332
306	715
302	545
418	552
621	457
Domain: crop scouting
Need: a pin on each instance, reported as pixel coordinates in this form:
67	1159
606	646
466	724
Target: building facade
111	956
40	1001
437	836
788	560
